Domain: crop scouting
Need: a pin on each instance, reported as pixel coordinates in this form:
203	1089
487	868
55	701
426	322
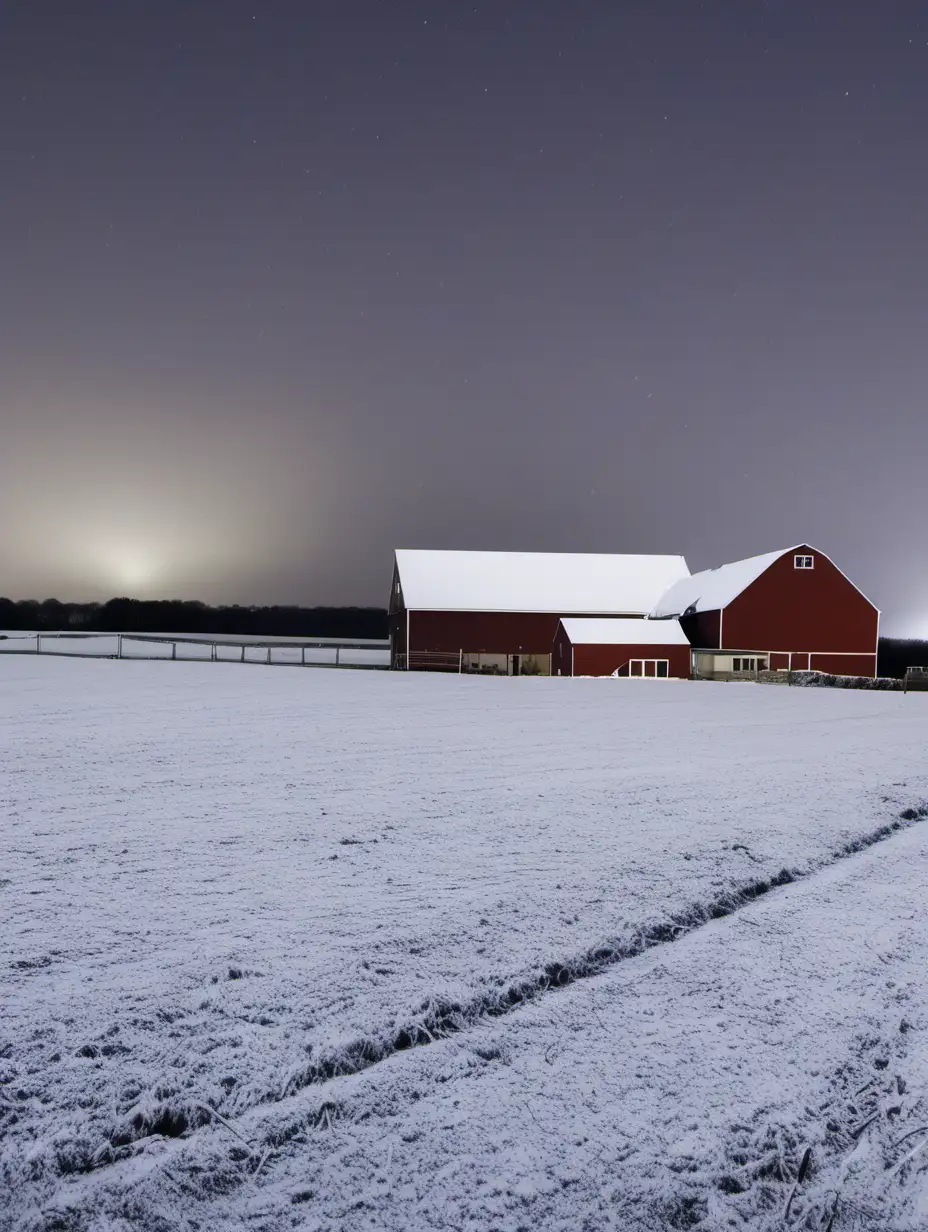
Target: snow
222	887
555	582
713	589
605	632
679	1090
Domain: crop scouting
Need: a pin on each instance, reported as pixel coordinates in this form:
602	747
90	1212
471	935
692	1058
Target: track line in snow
439	1019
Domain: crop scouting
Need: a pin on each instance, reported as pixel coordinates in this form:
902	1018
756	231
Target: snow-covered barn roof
535	581
713	589
603	631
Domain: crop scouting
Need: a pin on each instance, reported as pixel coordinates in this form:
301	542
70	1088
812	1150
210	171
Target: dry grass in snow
225	890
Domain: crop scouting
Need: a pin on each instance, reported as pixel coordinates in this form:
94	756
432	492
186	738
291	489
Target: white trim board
855	654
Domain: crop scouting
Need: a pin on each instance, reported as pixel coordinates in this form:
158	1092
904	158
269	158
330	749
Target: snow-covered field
363	950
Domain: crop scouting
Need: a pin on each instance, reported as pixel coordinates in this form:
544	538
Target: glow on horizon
133	575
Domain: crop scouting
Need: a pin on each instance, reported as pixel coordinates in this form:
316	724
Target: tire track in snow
438	1019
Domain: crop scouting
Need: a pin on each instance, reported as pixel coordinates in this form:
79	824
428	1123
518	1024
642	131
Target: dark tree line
897	653
179	616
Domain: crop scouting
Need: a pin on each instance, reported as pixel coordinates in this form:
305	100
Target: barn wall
484	632
703	629
604	660
397	636
845	665
560	654
814	609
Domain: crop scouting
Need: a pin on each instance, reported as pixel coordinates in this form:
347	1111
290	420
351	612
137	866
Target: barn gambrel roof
713	589
554	582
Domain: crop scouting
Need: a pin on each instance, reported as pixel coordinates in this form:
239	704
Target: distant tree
125	615
896	654
23	614
52	615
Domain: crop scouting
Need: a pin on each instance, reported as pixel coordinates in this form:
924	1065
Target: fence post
173	650
460	661
268	654
336	655
243	652
38	643
303	655
118	645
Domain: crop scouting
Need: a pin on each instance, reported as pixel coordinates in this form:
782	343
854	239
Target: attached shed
499	611
603	647
788	610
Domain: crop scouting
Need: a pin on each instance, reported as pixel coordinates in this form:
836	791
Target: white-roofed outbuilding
499	611
599	646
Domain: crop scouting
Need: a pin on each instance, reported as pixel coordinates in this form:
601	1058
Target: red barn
790	610
603	647
499	611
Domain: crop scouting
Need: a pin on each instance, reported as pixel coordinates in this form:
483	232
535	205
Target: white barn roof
556	582
713	589
601	631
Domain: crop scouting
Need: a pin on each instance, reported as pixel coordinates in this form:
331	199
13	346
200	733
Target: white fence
328	652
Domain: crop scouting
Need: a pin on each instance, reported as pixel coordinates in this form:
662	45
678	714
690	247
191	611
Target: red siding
484	632
397	636
814	609
845	665
604	660
560	654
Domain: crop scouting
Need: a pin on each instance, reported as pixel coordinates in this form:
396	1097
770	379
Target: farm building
789	610
499	611
591	646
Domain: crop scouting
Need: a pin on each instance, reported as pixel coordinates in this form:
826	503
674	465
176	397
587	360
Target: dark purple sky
286	284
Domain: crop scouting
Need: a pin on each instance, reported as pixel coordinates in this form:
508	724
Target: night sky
287	284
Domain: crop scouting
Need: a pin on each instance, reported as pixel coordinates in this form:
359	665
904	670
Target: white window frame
642	675
754	664
802	561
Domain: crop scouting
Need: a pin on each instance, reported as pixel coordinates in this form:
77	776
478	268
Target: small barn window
804	562
749	665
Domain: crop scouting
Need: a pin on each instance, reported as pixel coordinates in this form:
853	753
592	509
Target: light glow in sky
287	286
